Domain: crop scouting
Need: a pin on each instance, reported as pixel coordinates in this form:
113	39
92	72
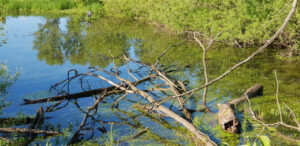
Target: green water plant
6	80
111	136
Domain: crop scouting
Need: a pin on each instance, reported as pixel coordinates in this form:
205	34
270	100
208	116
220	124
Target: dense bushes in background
242	21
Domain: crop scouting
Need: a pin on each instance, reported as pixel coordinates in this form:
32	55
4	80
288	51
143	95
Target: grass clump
49	6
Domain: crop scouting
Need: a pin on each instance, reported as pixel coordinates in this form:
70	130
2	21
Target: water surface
44	49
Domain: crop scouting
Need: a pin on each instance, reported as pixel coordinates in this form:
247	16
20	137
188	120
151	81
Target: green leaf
271	128
265	140
247	144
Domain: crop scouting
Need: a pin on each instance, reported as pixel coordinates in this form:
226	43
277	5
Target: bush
244	21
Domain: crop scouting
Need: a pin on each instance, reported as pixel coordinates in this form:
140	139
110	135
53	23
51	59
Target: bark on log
227	119
256	90
110	90
226	116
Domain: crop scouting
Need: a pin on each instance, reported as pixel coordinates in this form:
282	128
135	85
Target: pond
44	49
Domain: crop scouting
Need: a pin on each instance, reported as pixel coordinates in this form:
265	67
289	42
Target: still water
44	49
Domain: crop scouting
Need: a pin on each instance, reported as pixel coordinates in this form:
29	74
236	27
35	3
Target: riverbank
242	23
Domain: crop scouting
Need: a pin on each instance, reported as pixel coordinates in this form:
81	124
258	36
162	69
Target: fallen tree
156	103
110	90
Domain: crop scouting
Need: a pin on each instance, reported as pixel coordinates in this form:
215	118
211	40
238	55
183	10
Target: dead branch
166	50
133	136
281	122
36	124
74	137
175	89
203	137
110	90
204	65
50	108
117	101
154	135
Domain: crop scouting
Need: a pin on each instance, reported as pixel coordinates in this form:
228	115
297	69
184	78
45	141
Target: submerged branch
110	90
133	136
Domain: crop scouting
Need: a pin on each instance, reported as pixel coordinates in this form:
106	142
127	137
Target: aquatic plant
6	80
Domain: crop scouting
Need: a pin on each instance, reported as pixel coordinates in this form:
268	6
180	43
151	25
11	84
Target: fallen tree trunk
110	90
256	90
226	116
201	136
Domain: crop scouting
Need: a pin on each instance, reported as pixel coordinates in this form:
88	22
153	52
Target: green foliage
265	140
53	6
244	21
111	136
247	22
6	80
2	142
2	35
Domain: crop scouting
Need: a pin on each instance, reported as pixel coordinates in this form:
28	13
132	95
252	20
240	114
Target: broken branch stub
226	116
227	119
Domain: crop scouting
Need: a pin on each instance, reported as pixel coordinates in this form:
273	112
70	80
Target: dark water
44	49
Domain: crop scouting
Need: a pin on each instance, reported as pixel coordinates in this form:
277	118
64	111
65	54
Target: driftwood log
109	90
226	116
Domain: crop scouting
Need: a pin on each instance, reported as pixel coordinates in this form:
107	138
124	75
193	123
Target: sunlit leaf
265	140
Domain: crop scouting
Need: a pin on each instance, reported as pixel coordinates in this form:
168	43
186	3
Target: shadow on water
47	47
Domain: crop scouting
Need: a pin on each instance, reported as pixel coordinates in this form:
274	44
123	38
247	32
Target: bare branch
277	100
166	50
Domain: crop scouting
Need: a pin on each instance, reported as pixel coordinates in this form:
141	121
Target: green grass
49	6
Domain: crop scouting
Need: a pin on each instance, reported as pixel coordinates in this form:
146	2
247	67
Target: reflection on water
43	49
